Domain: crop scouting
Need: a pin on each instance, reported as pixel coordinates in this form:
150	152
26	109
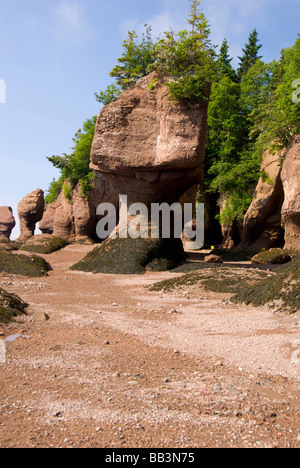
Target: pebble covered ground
118	365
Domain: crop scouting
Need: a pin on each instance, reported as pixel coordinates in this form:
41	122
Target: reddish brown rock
63	224
75	219
262	223
46	225
150	148
231	232
30	211
290	177
7	221
213	259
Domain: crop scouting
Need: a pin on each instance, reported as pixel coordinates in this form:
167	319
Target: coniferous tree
187	57
223	63
250	54
137	56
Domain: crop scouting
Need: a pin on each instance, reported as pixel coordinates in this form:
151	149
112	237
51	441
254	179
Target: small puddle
12	338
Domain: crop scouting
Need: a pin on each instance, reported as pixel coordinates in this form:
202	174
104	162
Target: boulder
30	211
262	223
213	259
290	177
7	222
271	257
40	317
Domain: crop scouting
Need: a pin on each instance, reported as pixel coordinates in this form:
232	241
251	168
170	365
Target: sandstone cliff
262	223
273	219
290	177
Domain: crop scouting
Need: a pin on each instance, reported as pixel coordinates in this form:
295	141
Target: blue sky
55	54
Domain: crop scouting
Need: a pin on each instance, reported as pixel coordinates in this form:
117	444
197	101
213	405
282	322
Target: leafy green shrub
54	190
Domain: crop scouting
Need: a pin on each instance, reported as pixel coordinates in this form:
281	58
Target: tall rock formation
75	219
262	223
152	150
273	219
290	177
30	211
7	222
149	147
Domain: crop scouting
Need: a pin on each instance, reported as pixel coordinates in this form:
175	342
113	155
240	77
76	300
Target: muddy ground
120	366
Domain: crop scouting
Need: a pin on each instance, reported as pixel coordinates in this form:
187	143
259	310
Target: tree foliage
250	54
74	168
187	57
245	118
223	63
111	94
138	54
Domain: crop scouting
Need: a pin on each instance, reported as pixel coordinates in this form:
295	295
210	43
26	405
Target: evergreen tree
187	57
137	56
250	54
223	63
276	118
111	94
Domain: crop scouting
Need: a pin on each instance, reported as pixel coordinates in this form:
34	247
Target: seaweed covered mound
283	289
10	306
133	256
9	245
44	244
22	264
272	257
211	277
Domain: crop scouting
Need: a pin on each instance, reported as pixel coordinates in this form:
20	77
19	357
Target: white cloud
70	24
172	14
